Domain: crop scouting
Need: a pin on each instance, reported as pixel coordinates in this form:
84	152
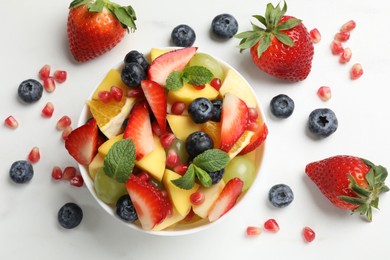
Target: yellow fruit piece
236	85
240	144
188	93
154	162
169	221
154	53
182	126
112	78
180	198
106	146
211	194
96	164
213	129
110	116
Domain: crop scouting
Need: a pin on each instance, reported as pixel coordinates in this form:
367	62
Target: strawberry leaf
261	19
187	181
288	24
352	200
264	44
77	3
126	17
284	38
96	7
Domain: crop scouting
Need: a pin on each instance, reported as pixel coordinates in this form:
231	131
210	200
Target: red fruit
271	225
226	199
172	159
285	53
167	139
257	139
81	143
178	108
253	231
315	35
69	172
11	122
56	173
356	71
77	181
216	83
168	62
348	26
157	100
342	36
44	72
105	96
48	110
60	76
308	234
346	55
336	47
63	123
49	84
116	93
324	92
139	130
234	120
34	156
181	169
95	27
197	198
151	206
349	182
135	92
66	132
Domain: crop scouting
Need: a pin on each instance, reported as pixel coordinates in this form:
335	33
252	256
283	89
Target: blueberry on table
200	110
21	171
322	122
282	106
198	142
70	215
132	74
183	36
280	195
224	26
30	90
137	57
125	209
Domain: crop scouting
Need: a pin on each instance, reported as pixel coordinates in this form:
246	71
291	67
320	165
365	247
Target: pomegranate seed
308	234
49	84
345	56
105	96
348	26
167	139
178	108
253	126
11	122
342	36
66	132
253	231
48	110
197	198
164	193
135	92
116	93
56	173
156	129
336	47
172	159
271	225
189	216
69	172
356	71
199	87
324	93
315	35
34	155
63	123
77	181
180	169
44	72
216	83
253	114
144	176
60	76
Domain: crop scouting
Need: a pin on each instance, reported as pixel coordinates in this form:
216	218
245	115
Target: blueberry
21	171
216	176
132	74
282	106
183	36
224	26
200	110
137	57
322	122
198	142
30	90
280	195
70	215
125	209
217	110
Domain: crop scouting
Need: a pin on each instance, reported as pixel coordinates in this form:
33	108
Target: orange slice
213	129
243	141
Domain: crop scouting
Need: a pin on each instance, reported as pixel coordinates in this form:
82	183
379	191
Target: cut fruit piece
112	78
168	62
188	93
169	221
258	138
96	164
106	146
182	126
211	194
241	143
157	100
154	53
213	129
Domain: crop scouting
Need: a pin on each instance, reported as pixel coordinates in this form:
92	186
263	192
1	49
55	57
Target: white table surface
34	34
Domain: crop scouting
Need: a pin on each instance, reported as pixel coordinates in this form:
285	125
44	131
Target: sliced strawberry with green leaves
82	142
150	204
169	62
139	129
258	138
234	120
226	199
157	100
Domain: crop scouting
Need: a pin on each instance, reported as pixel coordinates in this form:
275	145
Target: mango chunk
188	93
106	146
182	126
211	194
112	78
96	164
155	52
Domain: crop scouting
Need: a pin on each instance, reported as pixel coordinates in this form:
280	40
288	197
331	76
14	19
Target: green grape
241	167
180	148
108	189
205	60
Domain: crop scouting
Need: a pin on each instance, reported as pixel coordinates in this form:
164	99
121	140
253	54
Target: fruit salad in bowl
170	141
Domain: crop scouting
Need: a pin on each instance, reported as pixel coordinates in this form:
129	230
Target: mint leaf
187	181
203	177
197	75
212	160
120	159
174	80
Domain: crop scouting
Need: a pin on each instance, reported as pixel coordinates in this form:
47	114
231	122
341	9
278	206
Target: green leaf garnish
203	177
120	159
174	80
187	181
194	75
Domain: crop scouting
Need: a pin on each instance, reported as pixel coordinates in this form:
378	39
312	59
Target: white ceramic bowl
178	229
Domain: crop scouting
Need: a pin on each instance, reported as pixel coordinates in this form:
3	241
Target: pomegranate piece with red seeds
48	110
197	198
34	156
60	76
11	122
356	71
315	35
348	26
336	47
324	93
271	225
346	56
49	84
56	173
63	123
308	234
252	231
44	72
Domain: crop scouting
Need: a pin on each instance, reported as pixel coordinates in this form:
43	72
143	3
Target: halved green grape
108	189
205	60
241	167
180	148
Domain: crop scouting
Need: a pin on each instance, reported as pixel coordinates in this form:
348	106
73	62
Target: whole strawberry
95	27
283	48
349	182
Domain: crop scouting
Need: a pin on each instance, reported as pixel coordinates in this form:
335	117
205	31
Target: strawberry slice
257	139
168	62
157	100
226	199
234	120
139	129
82	142
149	203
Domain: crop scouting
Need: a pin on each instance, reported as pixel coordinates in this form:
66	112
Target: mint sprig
194	75
120	159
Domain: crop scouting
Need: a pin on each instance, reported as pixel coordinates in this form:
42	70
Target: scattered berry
252	231
280	195
137	57
11	122
132	74
77	181
34	156
183	36
66	132
322	122
135	92
356	71
200	110
197	143
21	171
271	225
178	108
105	96
69	172
156	129
315	35
224	26
336	47
172	159
282	106
48	110
63	123
49	84
348	26
345	56
125	209
324	92
70	215
56	173
216	83
167	139
216	176
60	76
342	36
180	169
217	110
116	93
308	234
30	90
197	198
44	72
